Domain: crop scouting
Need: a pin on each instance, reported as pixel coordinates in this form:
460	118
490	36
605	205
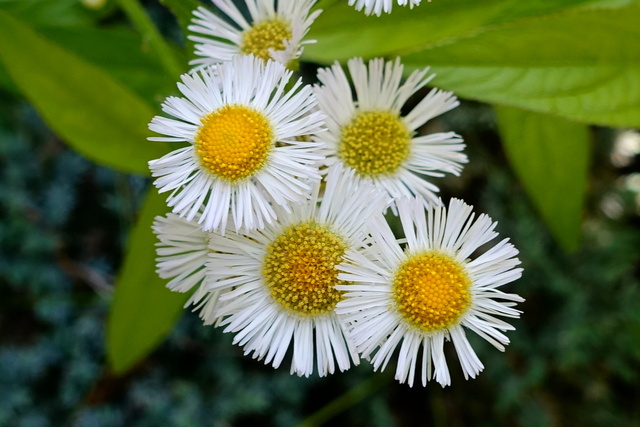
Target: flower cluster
279	196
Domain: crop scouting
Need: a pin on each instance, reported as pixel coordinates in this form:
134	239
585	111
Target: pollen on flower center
300	268
374	143
234	142
265	35
431	290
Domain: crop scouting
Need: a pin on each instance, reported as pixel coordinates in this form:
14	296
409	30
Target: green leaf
88	108
583	65
568	58
120	52
6	83
551	158
342	32
59	13
143	311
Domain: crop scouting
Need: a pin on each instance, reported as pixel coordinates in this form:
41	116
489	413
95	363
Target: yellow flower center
431	290
234	142
300	268
374	143
264	36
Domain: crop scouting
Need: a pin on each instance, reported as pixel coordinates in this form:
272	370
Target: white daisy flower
278	284
245	151
371	136
274	31
183	250
430	291
378	6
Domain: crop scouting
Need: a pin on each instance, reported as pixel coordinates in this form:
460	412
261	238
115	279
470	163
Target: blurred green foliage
81	102
574	357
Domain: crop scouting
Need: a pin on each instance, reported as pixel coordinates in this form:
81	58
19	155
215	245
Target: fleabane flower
182	250
274	31
414	296
278	285
182	253
372	137
376	7
246	149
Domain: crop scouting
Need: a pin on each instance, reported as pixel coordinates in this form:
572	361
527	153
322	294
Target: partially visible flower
183	250
279	284
418	297
370	136
378	6
244	154
273	32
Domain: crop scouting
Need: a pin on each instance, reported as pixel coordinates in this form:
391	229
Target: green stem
346	401
136	13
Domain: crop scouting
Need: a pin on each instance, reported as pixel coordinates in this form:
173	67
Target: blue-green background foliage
81	310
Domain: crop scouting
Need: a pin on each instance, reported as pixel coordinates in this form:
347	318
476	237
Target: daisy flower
183	250
273	32
430	291
371	136
278	285
245	152
378	6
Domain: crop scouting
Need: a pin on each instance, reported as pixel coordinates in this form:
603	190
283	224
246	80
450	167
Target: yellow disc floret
234	142
265	35
374	143
431	290
300	268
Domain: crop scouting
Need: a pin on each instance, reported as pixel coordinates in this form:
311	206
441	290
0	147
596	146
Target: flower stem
136	13
345	401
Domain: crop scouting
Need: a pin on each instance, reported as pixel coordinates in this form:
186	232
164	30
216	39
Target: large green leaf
88	108
342	32
120	52
583	65
569	58
551	156
143	311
